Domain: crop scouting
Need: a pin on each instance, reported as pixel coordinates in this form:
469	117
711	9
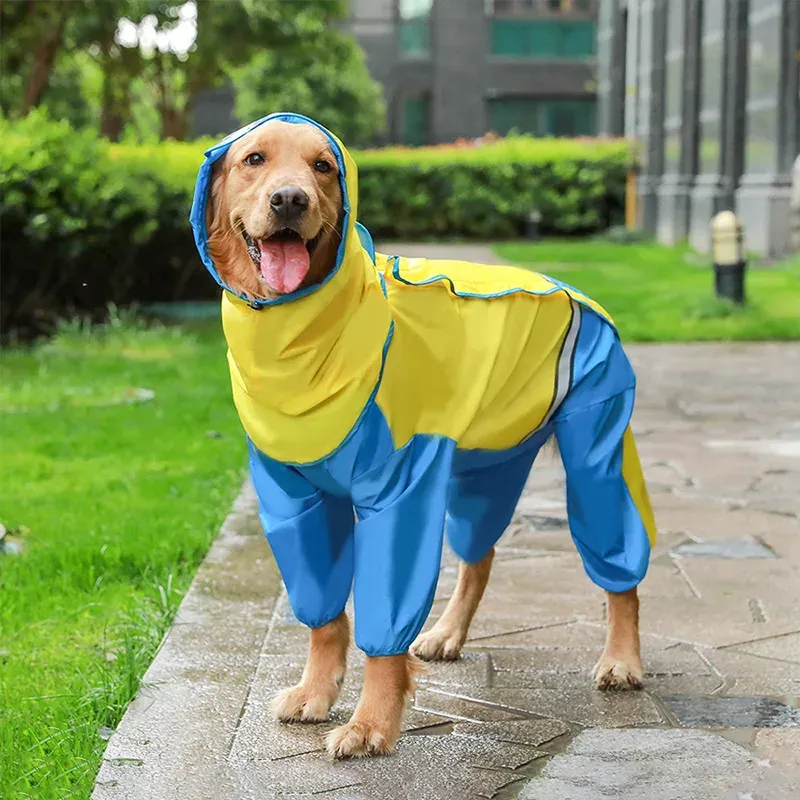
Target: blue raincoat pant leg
379	532
609	514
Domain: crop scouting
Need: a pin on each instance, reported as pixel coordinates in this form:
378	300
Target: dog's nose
288	202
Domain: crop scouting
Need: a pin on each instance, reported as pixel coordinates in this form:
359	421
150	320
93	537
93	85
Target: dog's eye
254	160
322	166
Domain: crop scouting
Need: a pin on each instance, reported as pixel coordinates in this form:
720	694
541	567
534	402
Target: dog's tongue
284	264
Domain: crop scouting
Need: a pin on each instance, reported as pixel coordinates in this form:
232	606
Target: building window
415	120
550	8
414	27
544	38
543	117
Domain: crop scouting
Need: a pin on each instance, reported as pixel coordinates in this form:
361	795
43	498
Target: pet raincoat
400	397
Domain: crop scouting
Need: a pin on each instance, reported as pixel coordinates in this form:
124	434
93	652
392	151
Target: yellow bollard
727	246
630	199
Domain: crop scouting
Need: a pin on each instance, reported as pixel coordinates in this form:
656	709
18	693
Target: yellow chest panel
474	356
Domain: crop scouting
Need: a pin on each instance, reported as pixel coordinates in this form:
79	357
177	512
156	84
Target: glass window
544	38
414	28
543	117
415	120
410	9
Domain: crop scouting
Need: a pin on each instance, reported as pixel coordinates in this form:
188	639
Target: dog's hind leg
318	690
444	641
620	666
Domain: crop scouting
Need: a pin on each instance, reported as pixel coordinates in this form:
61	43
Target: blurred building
453	68
711	91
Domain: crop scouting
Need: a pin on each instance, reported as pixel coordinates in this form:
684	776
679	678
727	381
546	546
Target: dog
386	401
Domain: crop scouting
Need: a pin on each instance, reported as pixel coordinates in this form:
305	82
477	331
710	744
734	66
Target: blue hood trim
197	217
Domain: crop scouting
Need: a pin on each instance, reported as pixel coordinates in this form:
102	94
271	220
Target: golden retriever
279	183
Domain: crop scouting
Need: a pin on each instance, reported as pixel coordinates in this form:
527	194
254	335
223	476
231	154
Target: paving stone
785	648
664	579
583	706
762	676
781	746
415	770
730	549
715	620
461	708
472	669
731	712
788	448
533	732
517	607
683	684
644	764
566	634
543	659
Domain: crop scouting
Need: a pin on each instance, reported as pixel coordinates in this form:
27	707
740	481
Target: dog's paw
358	740
618	673
302	703
438	645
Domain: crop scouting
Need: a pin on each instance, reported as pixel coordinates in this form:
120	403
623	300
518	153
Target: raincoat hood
303	365
355	238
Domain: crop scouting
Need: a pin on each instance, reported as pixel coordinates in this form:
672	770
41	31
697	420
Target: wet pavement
718	428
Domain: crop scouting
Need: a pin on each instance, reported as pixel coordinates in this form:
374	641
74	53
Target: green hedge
85	223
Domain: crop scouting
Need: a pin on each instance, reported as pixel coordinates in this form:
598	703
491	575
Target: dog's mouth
283	259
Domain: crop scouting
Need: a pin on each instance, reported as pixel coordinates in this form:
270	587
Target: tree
328	82
32	35
226	36
46	44
123	56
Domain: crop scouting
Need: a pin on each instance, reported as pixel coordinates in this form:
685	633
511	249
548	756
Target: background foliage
127	69
86	223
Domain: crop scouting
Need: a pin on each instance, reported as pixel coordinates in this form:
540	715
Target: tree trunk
173	123
113	109
43	59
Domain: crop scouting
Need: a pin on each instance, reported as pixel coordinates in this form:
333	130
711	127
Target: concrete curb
186	713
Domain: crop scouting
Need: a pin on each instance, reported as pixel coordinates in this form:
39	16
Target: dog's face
275	210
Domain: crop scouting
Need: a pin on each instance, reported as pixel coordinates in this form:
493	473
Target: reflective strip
565	360
563	378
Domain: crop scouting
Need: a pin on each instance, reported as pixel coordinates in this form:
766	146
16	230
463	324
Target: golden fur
239	201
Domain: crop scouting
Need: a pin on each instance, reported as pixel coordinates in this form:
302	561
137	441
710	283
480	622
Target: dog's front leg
314	696
374	728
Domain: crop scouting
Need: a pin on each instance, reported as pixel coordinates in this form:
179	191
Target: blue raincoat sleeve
401	505
311	536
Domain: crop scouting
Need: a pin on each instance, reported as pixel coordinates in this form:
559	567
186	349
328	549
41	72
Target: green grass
662	294
115	494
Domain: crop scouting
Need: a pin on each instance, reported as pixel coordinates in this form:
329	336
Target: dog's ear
216	198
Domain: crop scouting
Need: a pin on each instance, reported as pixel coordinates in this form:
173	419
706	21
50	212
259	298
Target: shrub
85	224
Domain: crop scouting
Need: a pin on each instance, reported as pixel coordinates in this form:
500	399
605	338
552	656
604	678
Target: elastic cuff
323	624
372	653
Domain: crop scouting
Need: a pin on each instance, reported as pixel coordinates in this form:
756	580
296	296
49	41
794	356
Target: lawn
121	454
662	294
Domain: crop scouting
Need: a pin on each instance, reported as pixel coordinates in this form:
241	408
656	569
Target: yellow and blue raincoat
402	397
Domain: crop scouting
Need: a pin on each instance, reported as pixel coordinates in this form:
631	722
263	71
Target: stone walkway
718	428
